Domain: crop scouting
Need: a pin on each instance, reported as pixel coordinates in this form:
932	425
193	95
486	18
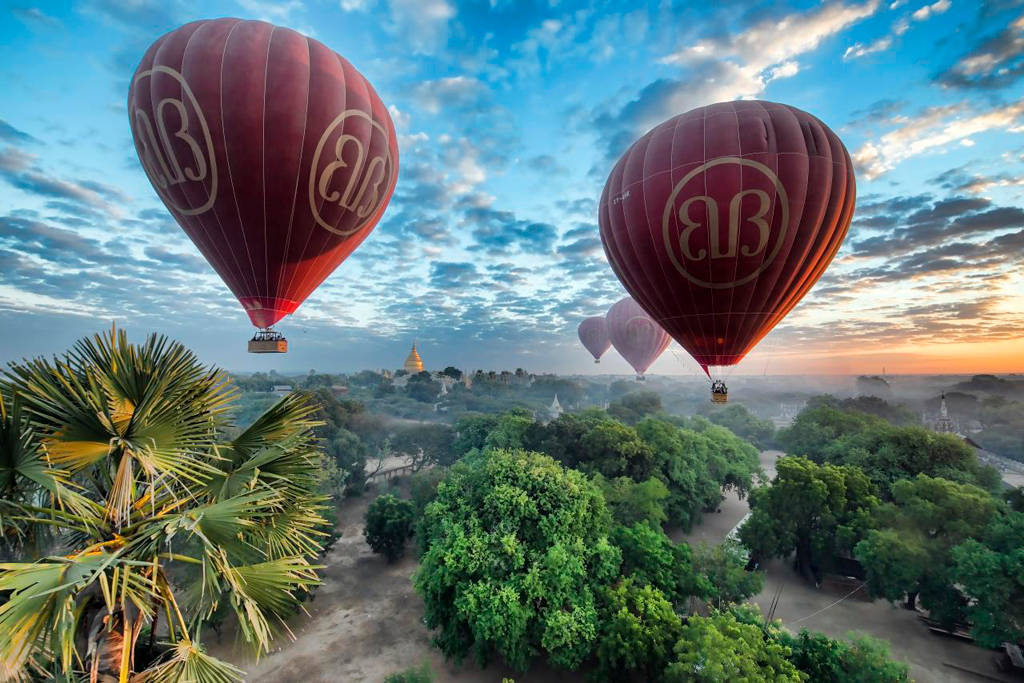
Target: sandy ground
364	623
366	619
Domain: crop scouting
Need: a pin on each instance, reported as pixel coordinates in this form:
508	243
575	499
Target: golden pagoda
413	363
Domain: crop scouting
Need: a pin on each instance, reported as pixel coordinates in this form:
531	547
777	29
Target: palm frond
188	662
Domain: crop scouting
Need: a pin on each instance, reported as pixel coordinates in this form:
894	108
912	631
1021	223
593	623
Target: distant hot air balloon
719	221
593	333
271	151
635	335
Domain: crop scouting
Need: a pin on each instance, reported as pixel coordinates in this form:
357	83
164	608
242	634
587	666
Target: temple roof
413	363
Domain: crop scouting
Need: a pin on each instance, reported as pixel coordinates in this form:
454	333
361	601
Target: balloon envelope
719	220
635	335
271	151
593	333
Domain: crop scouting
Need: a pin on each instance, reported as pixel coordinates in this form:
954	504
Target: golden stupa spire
413	363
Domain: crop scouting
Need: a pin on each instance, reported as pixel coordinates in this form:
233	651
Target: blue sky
510	116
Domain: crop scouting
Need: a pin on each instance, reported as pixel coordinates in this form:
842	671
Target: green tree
741	422
650	557
911	553
990	571
615	450
630	501
452	372
722	569
515	555
388	526
633	407
722	649
415	674
426	444
423	387
862	660
638	629
816	510
118	449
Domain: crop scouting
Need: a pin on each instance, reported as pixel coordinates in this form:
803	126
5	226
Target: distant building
944	423
413	363
555	410
282	389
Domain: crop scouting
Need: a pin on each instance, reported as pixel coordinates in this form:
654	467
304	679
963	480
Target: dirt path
366	619
364	623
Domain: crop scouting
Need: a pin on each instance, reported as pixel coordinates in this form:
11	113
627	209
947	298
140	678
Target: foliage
388	526
414	674
515	555
630	501
825	432
638	628
816	510
426	444
722	569
895	413
423	487
990	571
616	450
423	387
741	422
650	557
721	649
118	448
863	660
911	553
635	406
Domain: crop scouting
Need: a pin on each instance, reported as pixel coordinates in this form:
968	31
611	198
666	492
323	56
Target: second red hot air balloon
635	335
275	156
720	220
593	333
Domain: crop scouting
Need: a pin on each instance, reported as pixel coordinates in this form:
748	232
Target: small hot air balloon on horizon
635	335
274	155
593	333
719	221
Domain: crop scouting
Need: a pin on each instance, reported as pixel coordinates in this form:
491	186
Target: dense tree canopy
990	571
912	552
515	558
389	522
826	432
816	510
722	649
741	422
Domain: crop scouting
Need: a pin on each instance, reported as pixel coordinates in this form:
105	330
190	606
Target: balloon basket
268	341
719	397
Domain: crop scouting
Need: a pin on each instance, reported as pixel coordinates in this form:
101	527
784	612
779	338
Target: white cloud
422	24
932	131
270	10
356	5
931	10
433	96
858	50
760	47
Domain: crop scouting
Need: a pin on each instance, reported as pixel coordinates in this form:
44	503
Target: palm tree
116	471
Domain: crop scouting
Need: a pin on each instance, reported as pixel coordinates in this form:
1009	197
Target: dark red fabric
247	160
778	174
593	333
635	335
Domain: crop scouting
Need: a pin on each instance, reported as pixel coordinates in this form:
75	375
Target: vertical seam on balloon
227	159
727	339
298	172
326	267
651	293
190	219
748	330
704	175
688	318
237	278
294	286
263	169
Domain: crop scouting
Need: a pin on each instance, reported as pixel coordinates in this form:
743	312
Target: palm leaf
188	663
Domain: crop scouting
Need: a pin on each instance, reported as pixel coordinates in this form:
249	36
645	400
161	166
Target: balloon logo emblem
756	223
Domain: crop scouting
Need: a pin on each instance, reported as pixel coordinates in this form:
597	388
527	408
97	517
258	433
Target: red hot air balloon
635	335
271	151
719	221
593	333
